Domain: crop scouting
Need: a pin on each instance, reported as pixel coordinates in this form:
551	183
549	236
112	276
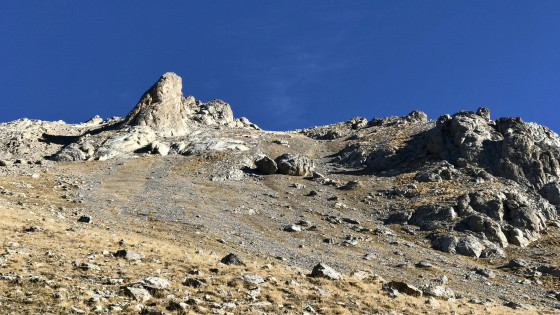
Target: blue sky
283	64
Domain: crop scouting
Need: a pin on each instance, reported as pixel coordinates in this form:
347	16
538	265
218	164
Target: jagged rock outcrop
506	147
161	112
470	145
164	109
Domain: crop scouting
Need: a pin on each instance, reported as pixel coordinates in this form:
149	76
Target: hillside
394	215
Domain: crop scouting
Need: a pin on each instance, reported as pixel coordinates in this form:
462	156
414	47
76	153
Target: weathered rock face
164	109
507	147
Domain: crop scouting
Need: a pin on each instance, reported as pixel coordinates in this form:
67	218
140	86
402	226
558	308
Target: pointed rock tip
171	75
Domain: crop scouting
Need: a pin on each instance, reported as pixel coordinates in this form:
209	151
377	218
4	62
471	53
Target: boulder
292	228
323	271
252	278
129	254
154	283
426	216
139	294
157	147
416	116
294	165
127	140
444	242
484	113
428	177
266	165
403	287
232	259
70	153
438	291
84	219
493	251
469	246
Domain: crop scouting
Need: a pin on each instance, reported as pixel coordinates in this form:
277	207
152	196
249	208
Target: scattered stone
517	263
351	221
292	228
517	306
324	271
424	264
85	219
194	282
129	254
33	228
252	278
485	272
438	291
403	288
139	294
232	259
353	184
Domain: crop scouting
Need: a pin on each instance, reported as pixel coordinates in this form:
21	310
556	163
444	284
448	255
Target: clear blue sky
283	64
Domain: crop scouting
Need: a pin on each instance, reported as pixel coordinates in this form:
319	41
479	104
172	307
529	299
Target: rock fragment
232	259
324	271
139	294
403	287
129	254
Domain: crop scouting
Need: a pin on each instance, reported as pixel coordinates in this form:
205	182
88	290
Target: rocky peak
164	109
